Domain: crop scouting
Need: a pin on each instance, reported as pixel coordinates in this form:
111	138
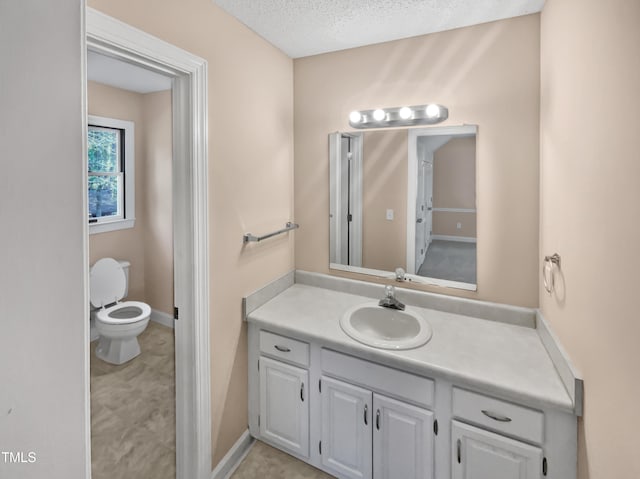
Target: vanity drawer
393	382
291	350
502	416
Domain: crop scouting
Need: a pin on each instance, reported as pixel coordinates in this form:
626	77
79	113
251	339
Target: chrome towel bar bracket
248	237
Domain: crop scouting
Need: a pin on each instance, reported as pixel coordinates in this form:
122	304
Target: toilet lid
107	282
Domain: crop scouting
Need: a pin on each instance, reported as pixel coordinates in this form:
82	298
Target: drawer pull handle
366	423
458	447
378	419
302	392
282	349
496	417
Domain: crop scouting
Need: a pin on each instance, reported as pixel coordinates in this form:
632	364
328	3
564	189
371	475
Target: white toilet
118	324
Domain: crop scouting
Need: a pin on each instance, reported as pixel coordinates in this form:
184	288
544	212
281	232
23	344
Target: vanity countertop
494	357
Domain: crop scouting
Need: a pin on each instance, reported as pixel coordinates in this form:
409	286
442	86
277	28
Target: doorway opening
130	202
187	73
346	199
441	205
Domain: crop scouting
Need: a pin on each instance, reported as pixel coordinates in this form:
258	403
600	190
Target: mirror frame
413	134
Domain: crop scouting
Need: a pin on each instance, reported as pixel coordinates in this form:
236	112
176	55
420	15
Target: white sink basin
385	328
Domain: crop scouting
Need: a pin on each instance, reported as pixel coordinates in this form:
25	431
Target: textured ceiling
307	27
119	74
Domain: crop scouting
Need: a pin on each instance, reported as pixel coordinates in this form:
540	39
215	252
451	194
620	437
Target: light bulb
355	117
432	111
379	115
405	112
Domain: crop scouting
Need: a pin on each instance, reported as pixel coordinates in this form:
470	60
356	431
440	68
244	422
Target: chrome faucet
389	300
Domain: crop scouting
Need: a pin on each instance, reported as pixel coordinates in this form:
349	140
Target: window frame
127	220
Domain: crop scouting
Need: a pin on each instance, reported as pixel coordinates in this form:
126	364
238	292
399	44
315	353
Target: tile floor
265	462
133	411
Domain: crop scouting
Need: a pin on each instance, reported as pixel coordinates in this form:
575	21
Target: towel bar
288	227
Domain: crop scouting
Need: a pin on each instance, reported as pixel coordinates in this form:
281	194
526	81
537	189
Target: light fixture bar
401	116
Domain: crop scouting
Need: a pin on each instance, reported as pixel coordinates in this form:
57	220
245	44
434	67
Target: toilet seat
126	312
107	282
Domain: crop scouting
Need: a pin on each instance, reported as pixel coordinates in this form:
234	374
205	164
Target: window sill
111	226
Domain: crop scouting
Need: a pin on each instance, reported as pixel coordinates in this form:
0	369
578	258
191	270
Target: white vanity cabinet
284	392
402	440
346	446
284	408
357	418
365	434
480	454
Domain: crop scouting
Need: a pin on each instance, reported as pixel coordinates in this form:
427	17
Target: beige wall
446	223
384	186
486	75
128	243
250	140
454	174
454	186
590	205
157	200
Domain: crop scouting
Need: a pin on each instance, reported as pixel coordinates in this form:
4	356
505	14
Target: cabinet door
402	440
346	429
479	454
284	406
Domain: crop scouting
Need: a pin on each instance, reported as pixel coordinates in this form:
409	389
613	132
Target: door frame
335	201
109	36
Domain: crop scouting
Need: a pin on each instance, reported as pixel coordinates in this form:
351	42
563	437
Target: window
110	146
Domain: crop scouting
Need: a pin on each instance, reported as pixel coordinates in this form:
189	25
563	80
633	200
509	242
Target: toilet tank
125	266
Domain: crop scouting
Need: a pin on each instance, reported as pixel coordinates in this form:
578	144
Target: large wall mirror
405	198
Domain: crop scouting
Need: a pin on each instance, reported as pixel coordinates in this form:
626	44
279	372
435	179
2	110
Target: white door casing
345	197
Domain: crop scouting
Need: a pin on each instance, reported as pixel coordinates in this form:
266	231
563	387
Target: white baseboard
232	459
162	318
462	239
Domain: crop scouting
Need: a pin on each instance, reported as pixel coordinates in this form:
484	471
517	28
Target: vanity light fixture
401	116
379	115
405	113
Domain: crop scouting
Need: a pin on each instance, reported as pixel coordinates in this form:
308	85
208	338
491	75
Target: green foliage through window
105	171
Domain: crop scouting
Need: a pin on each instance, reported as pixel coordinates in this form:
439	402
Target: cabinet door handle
282	349
378	419
458	447
366	408
495	416
302	392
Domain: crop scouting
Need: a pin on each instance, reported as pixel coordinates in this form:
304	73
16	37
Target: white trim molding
337	237
461	239
455	210
232	459
111	37
162	318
